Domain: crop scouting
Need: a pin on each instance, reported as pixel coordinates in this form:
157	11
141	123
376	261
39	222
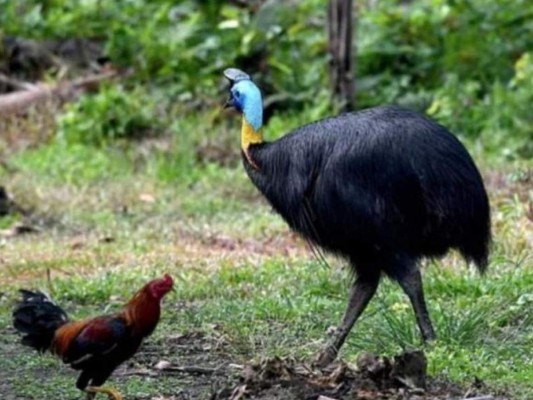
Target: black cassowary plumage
383	188
377	184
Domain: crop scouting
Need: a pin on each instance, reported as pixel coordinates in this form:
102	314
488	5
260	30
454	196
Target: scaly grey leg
361	292
411	283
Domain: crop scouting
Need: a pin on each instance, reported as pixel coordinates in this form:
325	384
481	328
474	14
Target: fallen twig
19	101
15	83
137	372
193	369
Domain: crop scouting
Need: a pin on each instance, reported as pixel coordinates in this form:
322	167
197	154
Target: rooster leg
113	394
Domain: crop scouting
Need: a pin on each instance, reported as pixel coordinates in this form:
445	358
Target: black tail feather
37	317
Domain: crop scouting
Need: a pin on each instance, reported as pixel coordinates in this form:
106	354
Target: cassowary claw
325	357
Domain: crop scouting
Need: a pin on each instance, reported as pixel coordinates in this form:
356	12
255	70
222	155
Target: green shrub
500	119
112	113
417	46
455	57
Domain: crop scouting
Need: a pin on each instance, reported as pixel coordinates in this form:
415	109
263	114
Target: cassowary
382	187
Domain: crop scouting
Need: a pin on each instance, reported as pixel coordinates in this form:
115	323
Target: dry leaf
77	243
238	393
147	198
162	365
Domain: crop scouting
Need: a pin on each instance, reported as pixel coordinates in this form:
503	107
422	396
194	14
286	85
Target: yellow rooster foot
113	394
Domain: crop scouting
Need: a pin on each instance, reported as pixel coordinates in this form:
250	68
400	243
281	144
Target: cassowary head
245	97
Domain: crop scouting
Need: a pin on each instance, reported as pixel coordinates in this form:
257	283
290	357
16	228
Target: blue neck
249	102
253	113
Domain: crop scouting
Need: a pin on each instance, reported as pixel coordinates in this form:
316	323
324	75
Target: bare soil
201	366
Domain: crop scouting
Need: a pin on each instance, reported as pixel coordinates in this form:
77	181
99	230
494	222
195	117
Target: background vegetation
143	175
467	63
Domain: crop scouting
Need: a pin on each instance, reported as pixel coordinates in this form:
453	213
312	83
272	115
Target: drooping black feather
100	348
37	317
375	186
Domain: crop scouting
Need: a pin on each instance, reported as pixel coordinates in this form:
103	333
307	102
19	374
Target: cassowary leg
411	283
361	292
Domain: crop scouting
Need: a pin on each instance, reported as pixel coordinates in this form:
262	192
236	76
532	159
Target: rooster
95	346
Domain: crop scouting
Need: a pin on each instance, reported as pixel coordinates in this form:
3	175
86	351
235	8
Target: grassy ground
109	219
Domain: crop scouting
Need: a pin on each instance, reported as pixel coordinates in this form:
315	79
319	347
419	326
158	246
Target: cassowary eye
237	94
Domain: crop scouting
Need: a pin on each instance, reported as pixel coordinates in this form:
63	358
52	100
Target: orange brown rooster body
95	346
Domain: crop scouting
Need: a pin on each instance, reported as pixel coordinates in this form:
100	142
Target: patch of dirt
287	243
207	371
199	365
199	362
401	377
507	185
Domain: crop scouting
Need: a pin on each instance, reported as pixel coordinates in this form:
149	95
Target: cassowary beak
229	102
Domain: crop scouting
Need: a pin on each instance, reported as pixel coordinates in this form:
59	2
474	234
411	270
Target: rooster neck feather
142	312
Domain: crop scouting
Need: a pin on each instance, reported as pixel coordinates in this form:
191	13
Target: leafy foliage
465	61
110	114
429	55
501	118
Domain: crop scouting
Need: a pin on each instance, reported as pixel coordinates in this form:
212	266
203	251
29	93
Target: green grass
237	269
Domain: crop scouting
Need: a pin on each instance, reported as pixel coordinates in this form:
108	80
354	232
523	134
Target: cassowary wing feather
380	183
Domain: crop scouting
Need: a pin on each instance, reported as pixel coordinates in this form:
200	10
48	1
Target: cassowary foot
429	338
325	357
113	394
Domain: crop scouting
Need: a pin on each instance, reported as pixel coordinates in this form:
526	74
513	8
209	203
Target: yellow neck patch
249	135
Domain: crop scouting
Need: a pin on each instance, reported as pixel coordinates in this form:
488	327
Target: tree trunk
340	34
